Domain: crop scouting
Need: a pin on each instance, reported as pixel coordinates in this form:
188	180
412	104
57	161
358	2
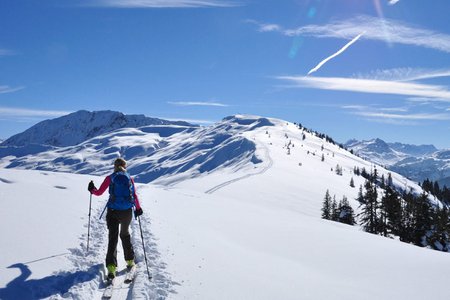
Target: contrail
335	54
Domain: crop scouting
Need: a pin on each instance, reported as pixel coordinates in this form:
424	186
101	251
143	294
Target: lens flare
296	45
379	10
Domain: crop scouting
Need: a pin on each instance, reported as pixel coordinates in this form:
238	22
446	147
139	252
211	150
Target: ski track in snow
262	171
160	285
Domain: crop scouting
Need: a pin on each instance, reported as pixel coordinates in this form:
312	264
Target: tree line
434	189
391	212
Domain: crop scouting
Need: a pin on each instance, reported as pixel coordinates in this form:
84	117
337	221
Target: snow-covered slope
417	162
251	230
154	152
79	126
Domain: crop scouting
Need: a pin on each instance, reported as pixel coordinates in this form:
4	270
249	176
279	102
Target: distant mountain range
417	162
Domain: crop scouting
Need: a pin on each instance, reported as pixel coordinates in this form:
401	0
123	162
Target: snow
246	230
417	162
76	127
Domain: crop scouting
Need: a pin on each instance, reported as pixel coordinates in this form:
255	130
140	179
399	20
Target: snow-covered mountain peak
79	126
251	121
378	145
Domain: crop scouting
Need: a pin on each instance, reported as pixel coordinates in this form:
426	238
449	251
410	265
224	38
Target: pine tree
374	175
406	233
368	216
338	170
360	197
334	210
382	182
391	212
352	183
436	190
389	180
346	213
441	236
422	219
323	157
326	206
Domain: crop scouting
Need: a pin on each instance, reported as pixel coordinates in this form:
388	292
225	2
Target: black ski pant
114	218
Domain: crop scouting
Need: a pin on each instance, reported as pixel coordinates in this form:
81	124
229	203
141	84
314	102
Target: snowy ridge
169	153
79	126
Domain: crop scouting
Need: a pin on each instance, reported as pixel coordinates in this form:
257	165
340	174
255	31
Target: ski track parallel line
265	169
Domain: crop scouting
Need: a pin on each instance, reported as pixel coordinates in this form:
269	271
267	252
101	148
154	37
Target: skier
122	198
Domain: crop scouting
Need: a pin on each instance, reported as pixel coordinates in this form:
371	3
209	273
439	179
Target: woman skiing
122	198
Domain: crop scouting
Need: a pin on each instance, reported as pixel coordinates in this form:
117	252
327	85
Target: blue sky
348	68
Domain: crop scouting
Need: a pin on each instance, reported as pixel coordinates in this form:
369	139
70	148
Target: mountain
232	211
79	126
413	150
376	150
171	153
417	162
154	151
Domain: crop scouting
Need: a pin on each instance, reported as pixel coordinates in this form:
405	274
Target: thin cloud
162	3
394	109
411	89
4	89
34	113
395	122
192	121
197	103
424	100
356	107
377	29
423	116
394	116
335	54
405	74
371	108
4	52
393	2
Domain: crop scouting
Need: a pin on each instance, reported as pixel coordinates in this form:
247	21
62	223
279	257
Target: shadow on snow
21	288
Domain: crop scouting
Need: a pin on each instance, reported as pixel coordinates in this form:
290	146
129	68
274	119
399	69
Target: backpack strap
112	196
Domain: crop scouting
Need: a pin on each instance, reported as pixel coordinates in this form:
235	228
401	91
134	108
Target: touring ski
107	294
129	276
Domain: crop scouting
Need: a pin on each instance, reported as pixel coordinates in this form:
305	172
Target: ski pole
143	246
89	222
103	211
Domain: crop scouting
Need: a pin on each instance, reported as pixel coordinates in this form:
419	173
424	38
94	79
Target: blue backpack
121	191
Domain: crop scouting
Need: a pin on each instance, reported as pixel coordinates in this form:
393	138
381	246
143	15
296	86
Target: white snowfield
242	231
